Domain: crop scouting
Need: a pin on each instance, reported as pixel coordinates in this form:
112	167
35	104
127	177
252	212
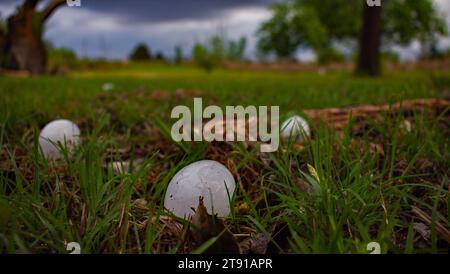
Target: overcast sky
111	28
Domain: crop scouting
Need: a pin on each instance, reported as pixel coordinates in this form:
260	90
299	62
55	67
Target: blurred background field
153	89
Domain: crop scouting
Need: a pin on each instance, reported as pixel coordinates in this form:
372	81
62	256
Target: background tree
140	53
202	57
320	25
23	46
60	60
236	49
307	23
218	49
159	56
178	54
397	22
406	21
277	35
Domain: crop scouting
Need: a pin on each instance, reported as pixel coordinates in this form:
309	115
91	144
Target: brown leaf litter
206	226
337	118
441	230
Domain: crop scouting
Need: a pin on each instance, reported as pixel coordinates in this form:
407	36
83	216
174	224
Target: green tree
178	54
277	35
60	59
397	22
306	23
140	53
217	50
160	56
202	57
236	49
319	24
405	21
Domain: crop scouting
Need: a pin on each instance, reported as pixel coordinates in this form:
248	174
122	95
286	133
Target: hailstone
295	127
56	133
206	178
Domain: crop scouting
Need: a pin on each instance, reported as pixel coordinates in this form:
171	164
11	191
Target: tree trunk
370	42
25	37
24	41
2	46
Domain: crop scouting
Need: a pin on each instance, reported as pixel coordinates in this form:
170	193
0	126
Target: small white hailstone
107	86
57	132
295	127
206	178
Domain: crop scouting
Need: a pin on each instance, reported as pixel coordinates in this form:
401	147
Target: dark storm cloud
164	10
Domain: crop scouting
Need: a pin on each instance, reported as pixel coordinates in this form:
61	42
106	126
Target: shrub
140	53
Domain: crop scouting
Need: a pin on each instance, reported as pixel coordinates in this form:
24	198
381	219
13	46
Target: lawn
332	194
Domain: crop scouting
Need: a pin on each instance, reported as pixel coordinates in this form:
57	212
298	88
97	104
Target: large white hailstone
206	178
57	132
296	128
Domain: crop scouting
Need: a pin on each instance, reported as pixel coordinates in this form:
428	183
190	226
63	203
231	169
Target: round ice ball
295	127
58	132
206	178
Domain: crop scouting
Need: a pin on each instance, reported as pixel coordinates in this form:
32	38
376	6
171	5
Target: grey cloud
163	10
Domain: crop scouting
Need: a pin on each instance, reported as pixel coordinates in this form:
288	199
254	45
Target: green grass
39	99
354	196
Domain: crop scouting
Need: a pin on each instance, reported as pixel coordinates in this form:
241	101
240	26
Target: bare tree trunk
25	39
370	42
24	35
2	46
